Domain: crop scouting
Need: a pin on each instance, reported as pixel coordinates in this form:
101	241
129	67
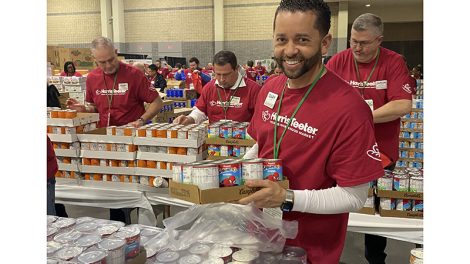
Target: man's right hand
183	120
75	105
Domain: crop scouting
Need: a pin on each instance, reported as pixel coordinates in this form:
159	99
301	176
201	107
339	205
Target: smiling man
381	77
320	128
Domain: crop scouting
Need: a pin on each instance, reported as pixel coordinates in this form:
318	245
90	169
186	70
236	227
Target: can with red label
252	170
214	150
230	174
403	204
238	151
132	237
225	131
226	151
272	169
417	205
400	181
239	132
213	131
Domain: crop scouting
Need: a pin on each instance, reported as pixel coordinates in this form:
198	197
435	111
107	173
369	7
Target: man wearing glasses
381	77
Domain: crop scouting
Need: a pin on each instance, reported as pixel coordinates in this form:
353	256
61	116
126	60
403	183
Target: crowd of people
344	117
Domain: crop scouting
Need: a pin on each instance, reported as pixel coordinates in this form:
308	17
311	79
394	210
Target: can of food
192	151
142	131
143	148
225	131
205	176
386	204
190	259
172	133
245	256
172	150
400	181
142	163
102	147
219	251
151	164
214	150
88	240
160	182
70	130
162	165
238	151
167	257
182	134
186	171
103	162
272	169
230	174
68	252
226	151
385	183
416	182
417	205
181	151
132	237
115	250
213	131
119	131
193	134
403	204
150	132
177	172
252	170
67	237
200	249
239	132
416	256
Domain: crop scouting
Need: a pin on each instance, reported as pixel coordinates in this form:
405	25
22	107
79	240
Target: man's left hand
271	194
137	123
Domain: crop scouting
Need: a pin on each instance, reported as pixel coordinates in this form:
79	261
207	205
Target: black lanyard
277	145
225	104
110	99
363	84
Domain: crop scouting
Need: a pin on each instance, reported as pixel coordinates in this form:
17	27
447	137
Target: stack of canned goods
175	93
228	129
166	108
209	174
409	180
90	240
193	131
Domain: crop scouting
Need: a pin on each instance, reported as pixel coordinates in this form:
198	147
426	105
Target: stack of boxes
76	87
62	128
182	98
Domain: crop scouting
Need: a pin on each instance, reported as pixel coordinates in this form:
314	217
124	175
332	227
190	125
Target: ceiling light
367	5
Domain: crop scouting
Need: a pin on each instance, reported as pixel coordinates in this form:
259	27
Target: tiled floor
398	252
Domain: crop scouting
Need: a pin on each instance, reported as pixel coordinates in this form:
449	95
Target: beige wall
156	21
72	22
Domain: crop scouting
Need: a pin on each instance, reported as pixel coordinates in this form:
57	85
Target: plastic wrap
233	225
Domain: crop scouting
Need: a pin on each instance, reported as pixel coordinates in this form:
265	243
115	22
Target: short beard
307	65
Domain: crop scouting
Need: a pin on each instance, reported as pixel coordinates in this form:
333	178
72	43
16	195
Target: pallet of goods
228	139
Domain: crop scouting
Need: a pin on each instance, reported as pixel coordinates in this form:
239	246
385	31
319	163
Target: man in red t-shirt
229	96
328	152
162	70
117	91
381	77
251	73
260	69
194	77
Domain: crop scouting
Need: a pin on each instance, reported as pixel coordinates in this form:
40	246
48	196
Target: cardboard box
175	84
74	153
107	170
209	157
81	119
170	157
168	142
94	154
66	138
401	195
192	193
99	135
230	142
68	167
129	186
367	210
401	214
74	88
183	111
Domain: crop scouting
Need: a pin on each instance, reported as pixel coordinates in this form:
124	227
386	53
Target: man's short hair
194	59
152	67
370	22
225	56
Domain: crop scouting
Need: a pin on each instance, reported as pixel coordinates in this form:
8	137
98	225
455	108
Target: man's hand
183	120
271	194
137	123
75	105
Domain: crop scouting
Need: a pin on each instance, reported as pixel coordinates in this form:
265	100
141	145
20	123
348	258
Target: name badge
380	85
123	86
370	103
235	100
270	100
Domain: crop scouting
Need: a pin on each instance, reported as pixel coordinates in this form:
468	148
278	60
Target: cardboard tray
66	138
367	210
94	154
401	195
192	193
107	170
401	214
99	135
170	157
74	153
230	142
152	172
168	142
68	167
81	119
125	186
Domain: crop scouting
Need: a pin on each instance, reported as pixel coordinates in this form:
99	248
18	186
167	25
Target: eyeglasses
355	43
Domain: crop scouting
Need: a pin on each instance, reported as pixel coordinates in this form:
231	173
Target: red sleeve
201	102
52	166
399	86
89	93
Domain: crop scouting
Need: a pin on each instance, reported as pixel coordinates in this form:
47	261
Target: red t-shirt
330	142
251	73
132	89
260	69
164	72
52	166
241	107
388	82
76	74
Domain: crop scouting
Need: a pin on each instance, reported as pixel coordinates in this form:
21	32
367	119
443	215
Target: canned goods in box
177	172
272	169
386	204
385	183
417	206
230	174
205	176
252	170
403	204
239	132
416	183
400	181
213	131
186	172
214	150
132	237
225	131
238	151
226	151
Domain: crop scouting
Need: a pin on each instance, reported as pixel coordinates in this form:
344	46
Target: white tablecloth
73	193
405	229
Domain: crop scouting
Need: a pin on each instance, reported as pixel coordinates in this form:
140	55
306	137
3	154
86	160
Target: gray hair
370	22
102	42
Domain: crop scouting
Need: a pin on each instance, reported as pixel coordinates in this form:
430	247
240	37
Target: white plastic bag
234	225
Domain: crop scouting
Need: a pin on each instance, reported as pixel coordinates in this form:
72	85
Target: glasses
355	43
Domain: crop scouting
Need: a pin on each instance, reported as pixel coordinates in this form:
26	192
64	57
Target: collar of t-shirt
235	86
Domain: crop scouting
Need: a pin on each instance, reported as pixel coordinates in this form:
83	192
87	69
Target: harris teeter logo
303	129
